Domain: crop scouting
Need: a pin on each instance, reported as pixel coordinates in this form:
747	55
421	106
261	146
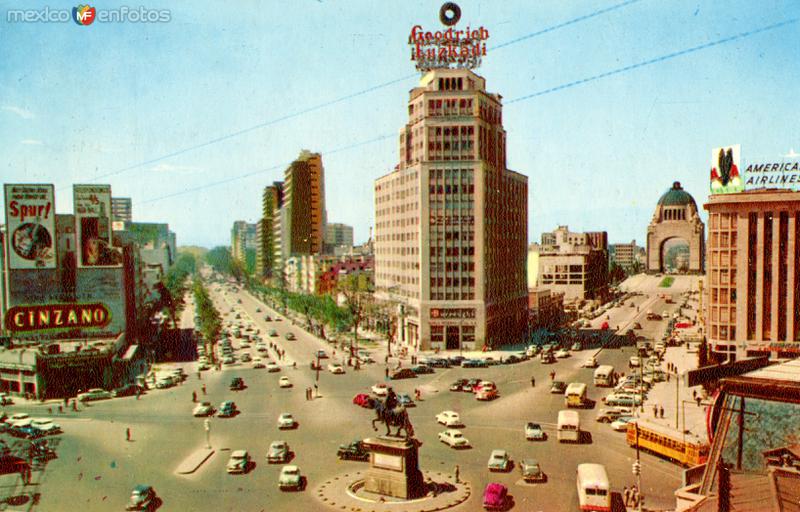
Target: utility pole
677	397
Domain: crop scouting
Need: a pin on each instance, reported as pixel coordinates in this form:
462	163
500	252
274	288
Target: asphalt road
97	467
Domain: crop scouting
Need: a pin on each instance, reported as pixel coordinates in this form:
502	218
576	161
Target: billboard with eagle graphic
725	164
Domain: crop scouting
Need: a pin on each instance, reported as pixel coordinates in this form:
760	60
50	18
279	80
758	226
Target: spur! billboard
30	226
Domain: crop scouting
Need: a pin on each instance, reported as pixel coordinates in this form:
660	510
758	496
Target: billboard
725	164
92	204
57	316
781	175
30	226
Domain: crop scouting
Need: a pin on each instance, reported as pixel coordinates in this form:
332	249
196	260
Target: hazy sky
192	118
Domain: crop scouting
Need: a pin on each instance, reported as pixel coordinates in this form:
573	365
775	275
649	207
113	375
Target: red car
495	497
361	399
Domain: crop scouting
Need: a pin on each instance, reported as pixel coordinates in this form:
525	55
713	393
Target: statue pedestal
394	469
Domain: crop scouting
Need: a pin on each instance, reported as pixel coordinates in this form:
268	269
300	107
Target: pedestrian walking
626	496
456	474
661	411
75	405
668	374
316	390
61	409
194	396
655	411
199	375
386	371
128	434
694	394
533	382
204	389
698	400
553	375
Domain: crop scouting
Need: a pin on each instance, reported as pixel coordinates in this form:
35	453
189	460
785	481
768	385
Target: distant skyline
192	118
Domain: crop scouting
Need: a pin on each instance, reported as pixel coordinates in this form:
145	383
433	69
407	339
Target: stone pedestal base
394	469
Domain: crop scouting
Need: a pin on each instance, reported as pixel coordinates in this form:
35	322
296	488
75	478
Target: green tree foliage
175	278
250	261
209	320
221	260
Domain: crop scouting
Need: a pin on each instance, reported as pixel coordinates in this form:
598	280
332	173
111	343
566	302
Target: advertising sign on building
57	316
92	205
448	47
781	175
725	164
30	226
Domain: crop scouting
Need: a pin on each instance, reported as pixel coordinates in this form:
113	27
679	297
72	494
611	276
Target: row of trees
207	319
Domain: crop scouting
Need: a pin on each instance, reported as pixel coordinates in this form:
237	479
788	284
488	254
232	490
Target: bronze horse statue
394	417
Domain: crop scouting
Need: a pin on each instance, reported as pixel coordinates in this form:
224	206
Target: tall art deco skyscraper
451	220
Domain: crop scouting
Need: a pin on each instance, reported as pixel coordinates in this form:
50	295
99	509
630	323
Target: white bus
569	426
575	395
594	493
604	376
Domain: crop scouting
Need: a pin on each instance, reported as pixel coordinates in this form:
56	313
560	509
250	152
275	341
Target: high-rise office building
266	265
451	220
302	213
243	240
338	235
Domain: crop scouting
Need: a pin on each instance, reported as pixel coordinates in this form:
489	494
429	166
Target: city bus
685	449
575	395
604	376
569	426
594	492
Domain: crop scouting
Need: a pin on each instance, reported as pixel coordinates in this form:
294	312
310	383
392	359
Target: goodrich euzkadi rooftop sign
448	47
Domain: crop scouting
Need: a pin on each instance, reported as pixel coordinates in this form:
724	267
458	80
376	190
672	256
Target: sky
606	102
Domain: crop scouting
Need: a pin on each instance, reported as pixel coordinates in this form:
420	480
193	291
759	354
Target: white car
46	425
590	363
284	382
634	362
449	419
453	438
239	462
272	367
380	389
290	478
286	420
336	369
203	409
621	424
17	418
562	353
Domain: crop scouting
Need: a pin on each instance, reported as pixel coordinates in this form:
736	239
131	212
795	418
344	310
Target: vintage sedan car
458	385
203	409
449	419
227	409
94	394
405	400
46	425
290	336
290	478
534	432
421	369
495	497
278	452
286	421
237	384
284	382
499	461
380	389
353	451
531	471
562	353
321	354
143	497
621	424
453	438
336	369
558	387
362	400
272	367
238	463
590	363
403	373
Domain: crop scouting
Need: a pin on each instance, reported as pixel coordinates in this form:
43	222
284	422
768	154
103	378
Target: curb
192	463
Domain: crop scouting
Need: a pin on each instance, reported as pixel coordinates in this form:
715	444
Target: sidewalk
681	411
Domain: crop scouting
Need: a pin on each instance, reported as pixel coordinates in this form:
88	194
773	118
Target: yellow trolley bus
685	449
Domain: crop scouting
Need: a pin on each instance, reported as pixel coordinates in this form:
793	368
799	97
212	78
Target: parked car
239	462
94	394
405	400
495	497
623	400
531	471
608	415
290	336
227	409
258	365
558	387
547	358
290	478
486	390
534	432
353	451
127	390
203	409
590	363
474	363
422	369
267	318
453	438
634	362
438	362
449	419
272	367
46	425
286	421
278	452
562	353
402	373
284	382
143	497
621	424
499	461
576	347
